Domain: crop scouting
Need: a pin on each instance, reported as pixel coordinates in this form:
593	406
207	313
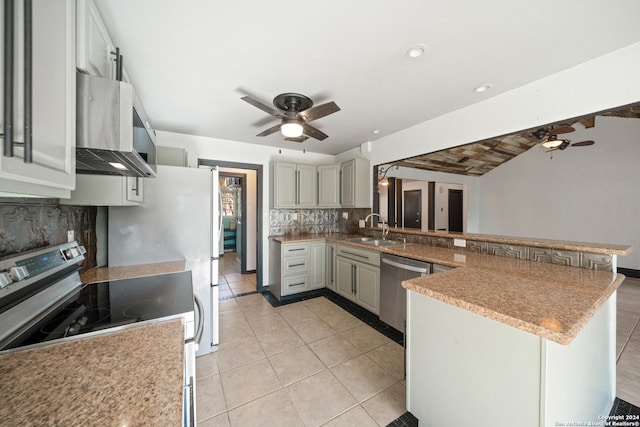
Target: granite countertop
115	379
100	274
549	300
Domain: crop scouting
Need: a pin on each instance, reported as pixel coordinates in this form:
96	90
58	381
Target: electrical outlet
461	243
294	216
71	236
345	215
361	223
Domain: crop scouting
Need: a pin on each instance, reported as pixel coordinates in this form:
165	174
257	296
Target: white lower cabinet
296	267
358	276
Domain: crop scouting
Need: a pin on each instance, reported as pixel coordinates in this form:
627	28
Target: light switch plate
71	235
361	223
294	216
345	215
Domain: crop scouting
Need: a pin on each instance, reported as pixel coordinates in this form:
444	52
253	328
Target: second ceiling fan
296	111
550	140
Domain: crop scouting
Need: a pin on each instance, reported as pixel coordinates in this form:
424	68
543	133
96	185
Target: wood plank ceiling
480	157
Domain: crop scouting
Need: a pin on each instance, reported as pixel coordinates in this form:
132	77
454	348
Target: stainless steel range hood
113	136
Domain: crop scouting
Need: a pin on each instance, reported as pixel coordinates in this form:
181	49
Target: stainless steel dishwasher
393	298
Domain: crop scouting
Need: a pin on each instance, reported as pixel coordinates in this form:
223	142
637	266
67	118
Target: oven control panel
32	265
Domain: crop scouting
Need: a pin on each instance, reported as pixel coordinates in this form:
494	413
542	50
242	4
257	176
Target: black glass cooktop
102	305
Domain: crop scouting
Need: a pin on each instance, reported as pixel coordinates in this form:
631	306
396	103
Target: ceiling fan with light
296	111
550	140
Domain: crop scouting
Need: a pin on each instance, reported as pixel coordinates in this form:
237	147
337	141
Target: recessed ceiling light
376	131
483	88
416	51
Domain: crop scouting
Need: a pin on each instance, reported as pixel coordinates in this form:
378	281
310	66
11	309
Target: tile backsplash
302	221
27	223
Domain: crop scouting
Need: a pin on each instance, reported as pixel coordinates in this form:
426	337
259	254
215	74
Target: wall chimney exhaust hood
113	136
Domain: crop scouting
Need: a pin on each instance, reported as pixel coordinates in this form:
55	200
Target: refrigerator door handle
200	329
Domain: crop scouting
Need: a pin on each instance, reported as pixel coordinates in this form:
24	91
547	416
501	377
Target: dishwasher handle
421	270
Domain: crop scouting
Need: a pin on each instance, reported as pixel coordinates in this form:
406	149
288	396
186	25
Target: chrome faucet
385	227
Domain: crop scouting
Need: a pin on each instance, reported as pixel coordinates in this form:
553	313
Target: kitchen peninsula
526	338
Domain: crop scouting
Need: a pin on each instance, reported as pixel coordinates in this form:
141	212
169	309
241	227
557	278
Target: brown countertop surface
130	377
552	301
100	274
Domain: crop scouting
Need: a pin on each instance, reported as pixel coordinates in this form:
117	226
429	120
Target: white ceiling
191	61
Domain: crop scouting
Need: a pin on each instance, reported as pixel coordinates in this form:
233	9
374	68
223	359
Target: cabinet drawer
295	284
295	249
356	254
295	265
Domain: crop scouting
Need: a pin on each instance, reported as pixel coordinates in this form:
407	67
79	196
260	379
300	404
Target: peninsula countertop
549	300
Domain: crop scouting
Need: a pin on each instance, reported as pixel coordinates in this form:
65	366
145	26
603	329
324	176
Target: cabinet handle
119	60
297	187
340	190
137	187
9	77
331	264
296	284
296	265
295	250
353	279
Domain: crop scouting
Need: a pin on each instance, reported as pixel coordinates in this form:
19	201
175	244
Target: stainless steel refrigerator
179	219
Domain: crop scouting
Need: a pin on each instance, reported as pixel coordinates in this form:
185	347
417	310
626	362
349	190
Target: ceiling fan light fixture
291	128
553	142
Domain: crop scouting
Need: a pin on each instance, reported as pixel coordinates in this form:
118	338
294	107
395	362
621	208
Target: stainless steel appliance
113	135
43	301
180	219
393	297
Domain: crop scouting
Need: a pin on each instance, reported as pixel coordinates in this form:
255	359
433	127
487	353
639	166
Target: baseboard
629	272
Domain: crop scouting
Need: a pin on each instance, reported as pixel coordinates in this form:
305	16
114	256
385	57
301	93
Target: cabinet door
345	277
285	185
347	184
134	190
330	263
95	51
52	172
368	287
307	186
317	270
329	186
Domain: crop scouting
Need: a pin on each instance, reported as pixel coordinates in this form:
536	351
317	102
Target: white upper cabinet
355	185
52	170
106	190
294	185
96	52
329	186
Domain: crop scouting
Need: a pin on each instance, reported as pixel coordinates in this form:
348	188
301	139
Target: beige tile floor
230	281
628	341
289	366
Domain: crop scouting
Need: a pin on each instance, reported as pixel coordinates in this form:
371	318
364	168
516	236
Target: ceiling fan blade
320	111
562	129
269	131
314	133
297	139
582	143
262	106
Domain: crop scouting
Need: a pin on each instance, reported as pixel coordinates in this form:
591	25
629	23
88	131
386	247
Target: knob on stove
18	273
5	279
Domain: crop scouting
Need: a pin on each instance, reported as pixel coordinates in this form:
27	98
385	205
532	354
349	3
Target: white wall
469	184
233	151
587	194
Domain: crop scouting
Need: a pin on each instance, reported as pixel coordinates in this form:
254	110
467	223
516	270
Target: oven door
189	390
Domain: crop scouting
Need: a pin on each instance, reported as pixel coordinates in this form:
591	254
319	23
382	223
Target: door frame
260	287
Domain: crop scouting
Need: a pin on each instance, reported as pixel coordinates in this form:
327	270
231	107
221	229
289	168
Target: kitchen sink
375	242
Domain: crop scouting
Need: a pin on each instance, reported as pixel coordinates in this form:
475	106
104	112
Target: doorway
412	215
233	195
249	233
455	210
